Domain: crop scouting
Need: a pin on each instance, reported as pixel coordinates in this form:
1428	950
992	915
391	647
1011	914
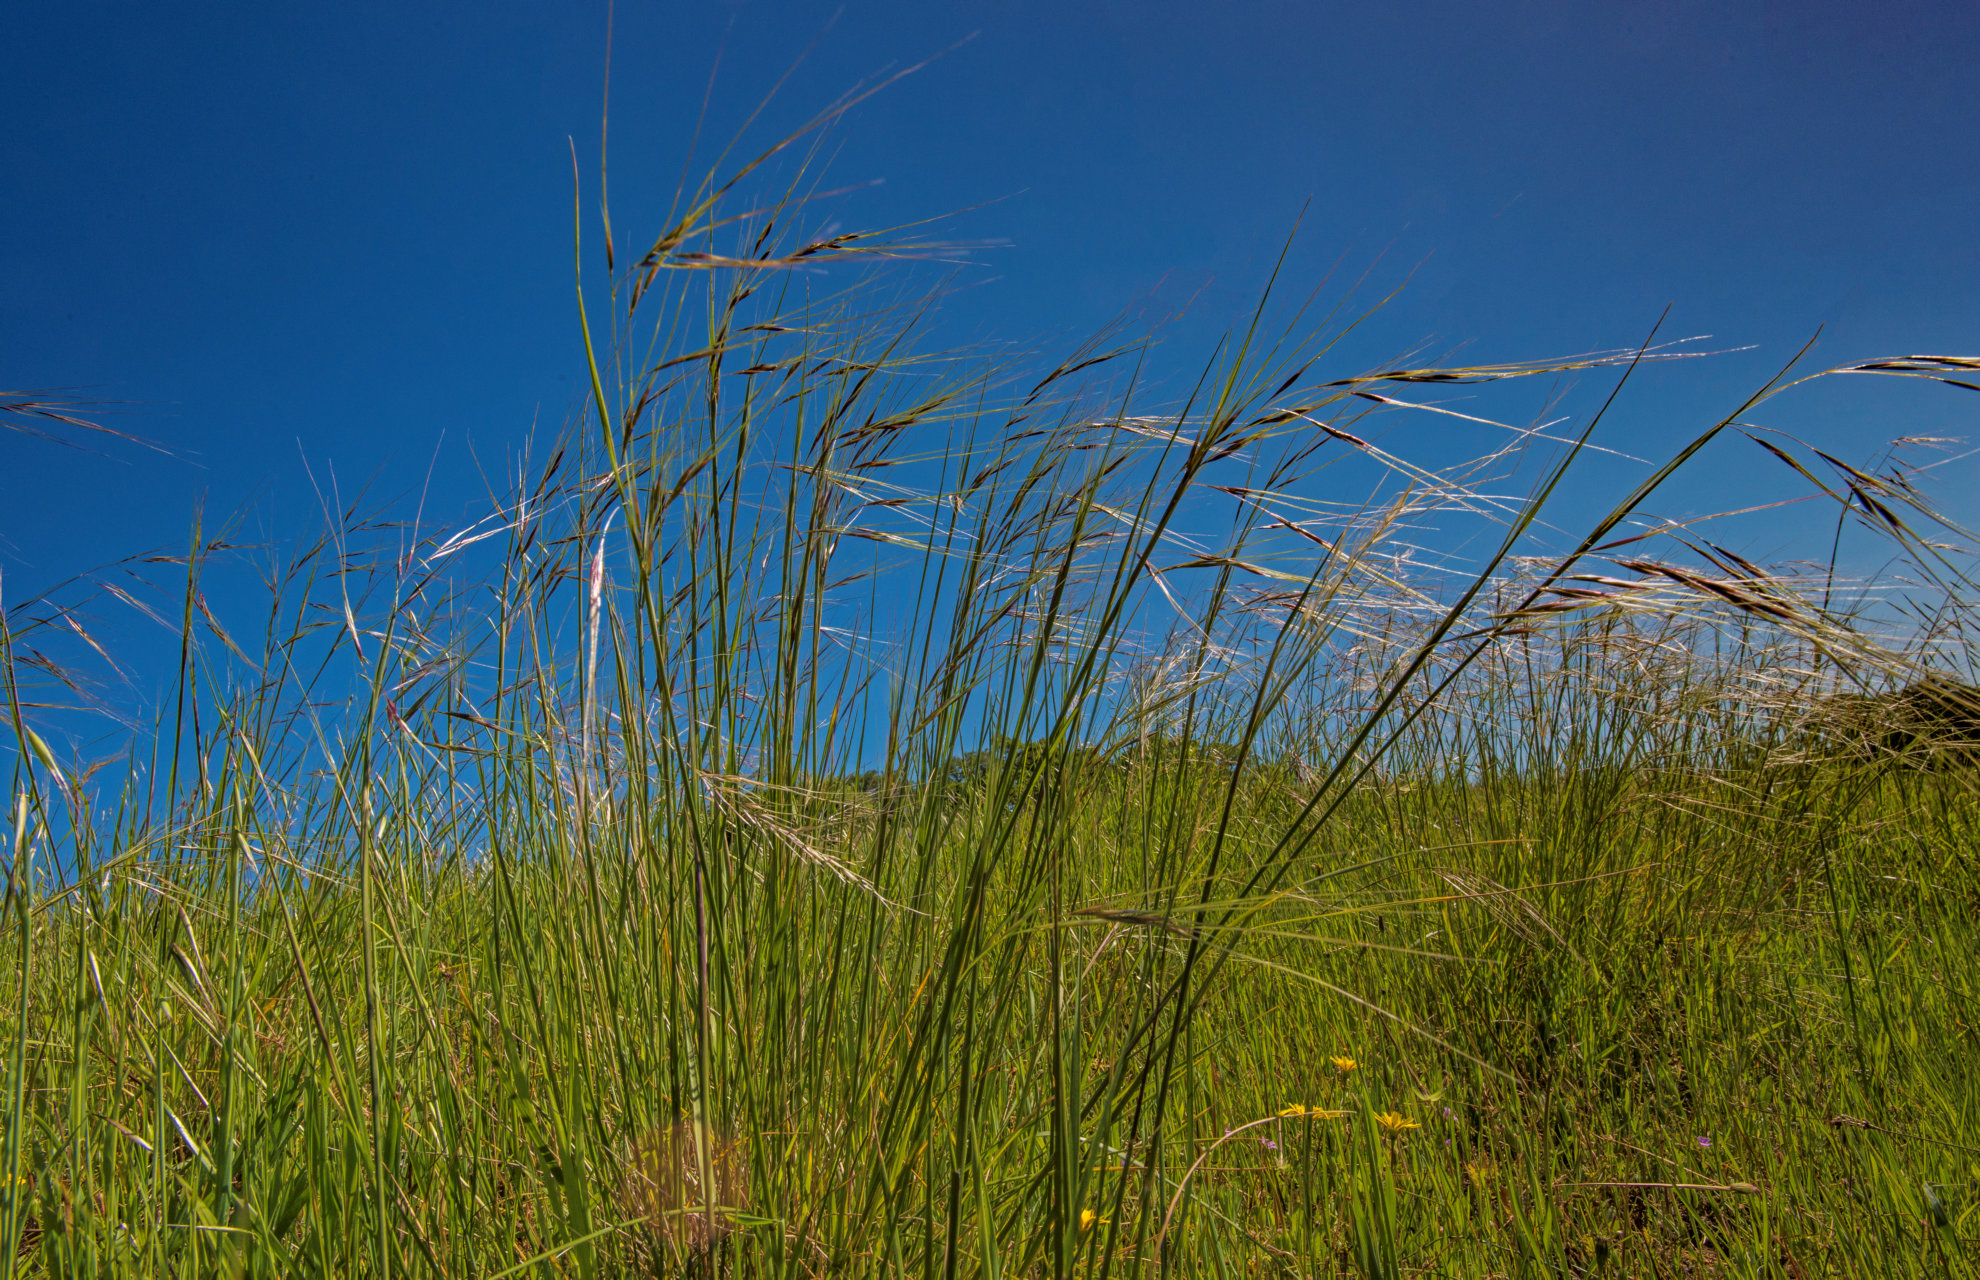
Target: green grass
863	812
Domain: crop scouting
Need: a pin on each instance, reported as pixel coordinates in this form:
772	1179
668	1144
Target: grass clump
858	811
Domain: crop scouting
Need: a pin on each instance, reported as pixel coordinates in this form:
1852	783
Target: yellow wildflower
1301	1109
1087	1218
1344	1065
1394	1123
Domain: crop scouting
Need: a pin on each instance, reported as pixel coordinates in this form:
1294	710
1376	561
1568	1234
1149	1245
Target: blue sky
340	235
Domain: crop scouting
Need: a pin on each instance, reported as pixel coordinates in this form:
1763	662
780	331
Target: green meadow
861	809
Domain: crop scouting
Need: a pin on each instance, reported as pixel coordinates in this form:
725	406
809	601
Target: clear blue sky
341	232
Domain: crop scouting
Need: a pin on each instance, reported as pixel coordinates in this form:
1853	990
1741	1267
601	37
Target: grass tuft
857	809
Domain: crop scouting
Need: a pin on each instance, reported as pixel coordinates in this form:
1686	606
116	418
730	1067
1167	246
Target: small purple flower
1447	1113
1269	1144
1704	1142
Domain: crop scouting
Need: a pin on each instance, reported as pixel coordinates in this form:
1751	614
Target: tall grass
853	809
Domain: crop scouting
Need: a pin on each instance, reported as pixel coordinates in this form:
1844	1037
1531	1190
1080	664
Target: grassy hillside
854	810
